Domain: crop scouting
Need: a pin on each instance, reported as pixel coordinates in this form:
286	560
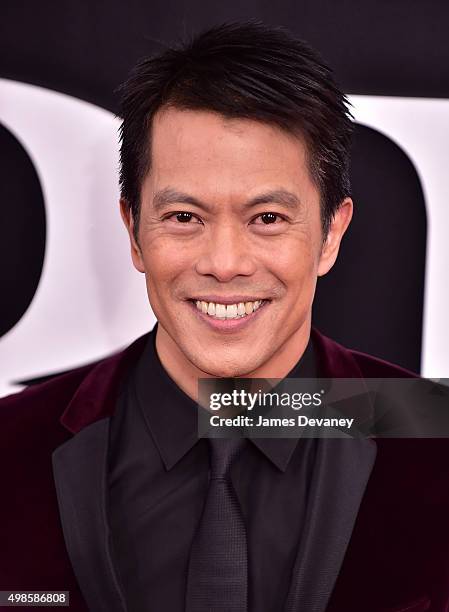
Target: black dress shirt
158	480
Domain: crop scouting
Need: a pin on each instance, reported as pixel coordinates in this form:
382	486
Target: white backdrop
90	300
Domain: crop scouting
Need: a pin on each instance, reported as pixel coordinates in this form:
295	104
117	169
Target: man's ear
128	220
338	226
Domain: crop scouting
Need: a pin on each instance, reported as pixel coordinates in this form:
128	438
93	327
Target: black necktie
218	566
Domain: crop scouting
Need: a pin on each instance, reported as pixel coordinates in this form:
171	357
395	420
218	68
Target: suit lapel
80	473
342	469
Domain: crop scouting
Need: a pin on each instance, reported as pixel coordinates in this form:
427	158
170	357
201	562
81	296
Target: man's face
230	240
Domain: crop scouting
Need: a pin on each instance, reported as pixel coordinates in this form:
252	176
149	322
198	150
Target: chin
226	370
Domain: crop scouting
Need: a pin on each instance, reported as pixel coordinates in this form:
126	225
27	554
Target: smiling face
230	216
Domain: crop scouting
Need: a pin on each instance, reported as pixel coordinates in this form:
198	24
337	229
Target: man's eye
182	217
268	218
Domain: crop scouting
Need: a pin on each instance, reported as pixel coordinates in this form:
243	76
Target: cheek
295	263
165	260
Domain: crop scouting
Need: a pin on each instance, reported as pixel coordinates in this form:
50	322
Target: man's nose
226	253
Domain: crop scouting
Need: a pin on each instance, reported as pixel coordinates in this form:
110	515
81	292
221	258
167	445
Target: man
235	195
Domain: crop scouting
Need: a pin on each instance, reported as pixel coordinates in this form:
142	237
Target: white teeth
231	311
220	311
228	311
249	307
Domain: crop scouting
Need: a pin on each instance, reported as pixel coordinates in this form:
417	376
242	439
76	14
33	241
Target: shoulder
374	367
417	455
30	417
52	395
412	460
52	392
33	415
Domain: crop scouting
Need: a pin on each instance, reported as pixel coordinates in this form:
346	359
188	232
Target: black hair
241	70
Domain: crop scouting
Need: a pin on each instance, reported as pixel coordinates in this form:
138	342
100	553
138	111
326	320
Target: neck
185	374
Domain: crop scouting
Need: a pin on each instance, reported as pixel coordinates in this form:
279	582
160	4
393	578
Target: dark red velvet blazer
389	553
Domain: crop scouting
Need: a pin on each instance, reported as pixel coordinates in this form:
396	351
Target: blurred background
68	292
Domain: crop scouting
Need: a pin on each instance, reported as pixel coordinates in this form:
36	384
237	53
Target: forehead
204	149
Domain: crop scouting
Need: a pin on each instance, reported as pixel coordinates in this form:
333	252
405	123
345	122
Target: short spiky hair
241	70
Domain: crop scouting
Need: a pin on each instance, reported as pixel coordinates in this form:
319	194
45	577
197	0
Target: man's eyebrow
276	196
168	196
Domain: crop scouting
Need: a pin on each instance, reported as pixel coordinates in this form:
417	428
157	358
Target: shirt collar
171	415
